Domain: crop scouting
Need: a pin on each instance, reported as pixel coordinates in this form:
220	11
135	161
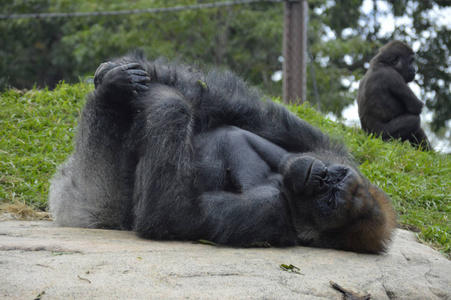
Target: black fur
387	106
174	153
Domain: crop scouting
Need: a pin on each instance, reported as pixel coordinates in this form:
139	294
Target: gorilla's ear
395	59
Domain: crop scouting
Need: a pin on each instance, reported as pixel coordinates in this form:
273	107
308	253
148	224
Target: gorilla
387	106
174	153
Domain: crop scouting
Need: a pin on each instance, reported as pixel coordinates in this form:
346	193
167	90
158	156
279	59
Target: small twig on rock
85	279
349	295
38	297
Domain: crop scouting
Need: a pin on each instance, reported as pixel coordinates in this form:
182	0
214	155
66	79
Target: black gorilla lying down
172	153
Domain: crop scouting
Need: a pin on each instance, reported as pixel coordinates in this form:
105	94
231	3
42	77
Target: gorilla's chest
227	164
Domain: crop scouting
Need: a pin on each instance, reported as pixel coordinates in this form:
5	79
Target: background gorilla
387	106
174	154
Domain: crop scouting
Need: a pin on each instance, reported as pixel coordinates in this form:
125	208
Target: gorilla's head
334	206
399	56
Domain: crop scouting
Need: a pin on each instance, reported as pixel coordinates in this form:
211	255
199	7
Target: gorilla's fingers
105	67
124	77
139	76
101	71
138	72
138	87
131	66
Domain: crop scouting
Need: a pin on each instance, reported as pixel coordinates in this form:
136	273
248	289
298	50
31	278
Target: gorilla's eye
342	174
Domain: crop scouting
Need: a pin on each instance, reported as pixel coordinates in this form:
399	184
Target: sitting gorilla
387	106
171	153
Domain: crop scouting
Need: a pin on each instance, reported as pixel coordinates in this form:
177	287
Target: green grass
36	133
37	130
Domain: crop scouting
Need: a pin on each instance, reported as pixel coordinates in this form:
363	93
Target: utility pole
295	51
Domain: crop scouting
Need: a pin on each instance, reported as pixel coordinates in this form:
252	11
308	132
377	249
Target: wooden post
295	51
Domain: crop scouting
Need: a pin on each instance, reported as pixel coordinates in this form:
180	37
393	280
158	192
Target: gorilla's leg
247	158
163	206
93	189
222	98
419	138
407	127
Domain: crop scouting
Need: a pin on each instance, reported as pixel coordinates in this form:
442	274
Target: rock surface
40	260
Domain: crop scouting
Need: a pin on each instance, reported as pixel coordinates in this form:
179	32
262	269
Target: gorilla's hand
124	77
304	174
322	190
415	107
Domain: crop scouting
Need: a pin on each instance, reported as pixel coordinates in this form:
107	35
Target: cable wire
132	12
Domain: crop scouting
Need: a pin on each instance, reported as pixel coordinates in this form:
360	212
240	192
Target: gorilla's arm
222	98
258	214
164	200
221	185
230	101
256	192
406	127
241	200
401	91
92	189
122	78
238	147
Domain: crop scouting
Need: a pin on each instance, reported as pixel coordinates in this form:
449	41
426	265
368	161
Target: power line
132	12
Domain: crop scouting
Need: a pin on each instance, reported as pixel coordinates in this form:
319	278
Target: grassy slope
37	130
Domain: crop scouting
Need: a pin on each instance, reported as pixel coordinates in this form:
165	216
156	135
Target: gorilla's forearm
236	219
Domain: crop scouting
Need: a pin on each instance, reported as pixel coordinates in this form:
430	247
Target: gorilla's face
409	67
325	195
404	64
331	202
324	184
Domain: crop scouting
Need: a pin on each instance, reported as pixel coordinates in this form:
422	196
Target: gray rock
37	258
